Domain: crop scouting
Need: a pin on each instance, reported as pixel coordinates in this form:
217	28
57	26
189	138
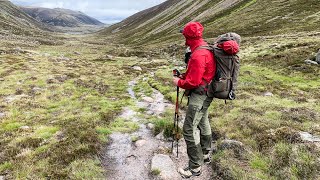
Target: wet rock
305	136
147	99
140	143
137	68
150	126
165	167
268	94
308	61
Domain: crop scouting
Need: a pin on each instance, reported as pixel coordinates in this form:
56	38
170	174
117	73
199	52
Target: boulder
163	166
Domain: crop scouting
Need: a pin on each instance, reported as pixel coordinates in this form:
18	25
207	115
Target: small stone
268	94
165	166
305	136
24	127
150	126
308	61
147	99
140	143
160	136
137	68
77	53
1	79
2	178
2	115
59	135
109	57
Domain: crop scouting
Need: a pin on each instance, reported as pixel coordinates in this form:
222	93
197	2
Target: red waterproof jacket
201	66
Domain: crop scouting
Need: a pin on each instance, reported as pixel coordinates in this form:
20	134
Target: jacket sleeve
196	69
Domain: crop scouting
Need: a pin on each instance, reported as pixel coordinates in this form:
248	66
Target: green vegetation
268	126
59	112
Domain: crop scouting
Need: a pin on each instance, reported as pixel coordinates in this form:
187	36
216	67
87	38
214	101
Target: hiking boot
207	158
188	172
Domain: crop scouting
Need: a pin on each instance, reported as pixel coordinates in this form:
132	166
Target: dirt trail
127	160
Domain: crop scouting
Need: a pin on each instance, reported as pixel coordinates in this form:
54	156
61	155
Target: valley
66	98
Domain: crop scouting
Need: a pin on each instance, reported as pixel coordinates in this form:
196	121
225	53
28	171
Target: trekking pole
177	120
176	117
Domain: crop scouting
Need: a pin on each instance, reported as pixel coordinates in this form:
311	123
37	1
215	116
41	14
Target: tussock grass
59	112
268	126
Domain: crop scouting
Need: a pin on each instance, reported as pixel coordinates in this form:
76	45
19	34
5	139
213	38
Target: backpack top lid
230	47
227	37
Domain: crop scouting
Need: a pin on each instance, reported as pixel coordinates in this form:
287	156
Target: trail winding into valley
133	156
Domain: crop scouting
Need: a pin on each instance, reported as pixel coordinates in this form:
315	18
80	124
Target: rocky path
141	155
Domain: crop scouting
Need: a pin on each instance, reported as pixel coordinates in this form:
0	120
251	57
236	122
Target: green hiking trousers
197	130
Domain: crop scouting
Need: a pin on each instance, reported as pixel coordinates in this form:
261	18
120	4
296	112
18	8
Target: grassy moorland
267	125
58	104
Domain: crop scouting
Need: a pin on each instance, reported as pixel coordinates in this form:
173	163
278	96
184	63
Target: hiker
196	128
201	70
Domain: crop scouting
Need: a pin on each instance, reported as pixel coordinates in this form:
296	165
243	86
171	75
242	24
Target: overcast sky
107	11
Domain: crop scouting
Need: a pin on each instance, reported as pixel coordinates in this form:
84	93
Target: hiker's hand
175	81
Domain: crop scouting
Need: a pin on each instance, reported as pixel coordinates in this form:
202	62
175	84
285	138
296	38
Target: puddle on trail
126	160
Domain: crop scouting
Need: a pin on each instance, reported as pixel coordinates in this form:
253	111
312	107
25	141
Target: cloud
107	11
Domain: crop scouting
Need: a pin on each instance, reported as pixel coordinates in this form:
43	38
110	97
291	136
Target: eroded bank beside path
143	154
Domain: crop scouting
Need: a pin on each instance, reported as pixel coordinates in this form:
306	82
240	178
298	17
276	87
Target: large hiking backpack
224	85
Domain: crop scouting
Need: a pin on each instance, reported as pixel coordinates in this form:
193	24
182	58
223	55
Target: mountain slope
247	17
60	17
14	21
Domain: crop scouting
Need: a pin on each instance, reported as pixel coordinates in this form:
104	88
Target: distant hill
15	21
60	17
161	23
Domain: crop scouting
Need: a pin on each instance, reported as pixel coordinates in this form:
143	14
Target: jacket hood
193	30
